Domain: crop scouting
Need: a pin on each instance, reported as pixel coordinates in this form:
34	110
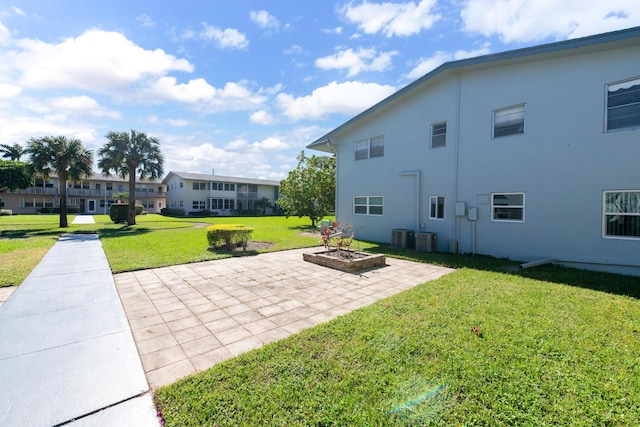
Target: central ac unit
426	242
401	238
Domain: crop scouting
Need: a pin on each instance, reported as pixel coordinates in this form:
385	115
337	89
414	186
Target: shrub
172	212
119	213
233	235
6	212
139	209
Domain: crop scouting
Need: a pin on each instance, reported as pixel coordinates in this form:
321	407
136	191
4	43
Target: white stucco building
221	195
527	154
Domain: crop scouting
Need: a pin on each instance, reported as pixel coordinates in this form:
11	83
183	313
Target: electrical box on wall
473	214
461	208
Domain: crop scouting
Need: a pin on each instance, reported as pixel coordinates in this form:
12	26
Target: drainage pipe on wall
415	173
537	263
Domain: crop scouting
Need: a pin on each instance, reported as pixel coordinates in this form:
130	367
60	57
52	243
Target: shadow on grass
125	230
598	281
231	253
24	233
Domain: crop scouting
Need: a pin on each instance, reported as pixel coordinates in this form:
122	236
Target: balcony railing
84	192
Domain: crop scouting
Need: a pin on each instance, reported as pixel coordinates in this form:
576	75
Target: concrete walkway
83	219
187	318
67	351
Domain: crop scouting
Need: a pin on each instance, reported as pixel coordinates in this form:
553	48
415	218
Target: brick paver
187	318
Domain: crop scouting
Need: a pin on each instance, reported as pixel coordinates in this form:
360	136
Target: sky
241	87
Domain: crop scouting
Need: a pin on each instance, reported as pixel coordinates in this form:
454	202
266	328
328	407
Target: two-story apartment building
529	154
221	195
91	195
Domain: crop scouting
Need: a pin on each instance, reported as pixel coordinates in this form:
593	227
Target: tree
11	152
263	204
309	189
15	175
65	157
128	154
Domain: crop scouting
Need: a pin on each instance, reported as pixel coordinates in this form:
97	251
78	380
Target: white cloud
392	19
98	61
269	144
293	50
336	30
146	21
224	38
533	20
357	61
237	145
177	122
5	35
80	105
264	20
196	90
261	117
9	91
344	98
426	65
18	11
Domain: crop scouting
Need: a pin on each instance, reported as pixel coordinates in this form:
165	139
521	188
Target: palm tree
11	152
65	157
127	154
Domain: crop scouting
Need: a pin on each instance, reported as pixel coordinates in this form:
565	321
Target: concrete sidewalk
67	350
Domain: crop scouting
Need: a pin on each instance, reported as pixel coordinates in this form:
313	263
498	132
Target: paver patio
187	318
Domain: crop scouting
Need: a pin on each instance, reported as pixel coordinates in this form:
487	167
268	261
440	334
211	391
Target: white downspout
334	150
415	173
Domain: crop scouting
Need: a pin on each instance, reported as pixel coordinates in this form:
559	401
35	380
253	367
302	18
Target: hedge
233	235
172	212
119	213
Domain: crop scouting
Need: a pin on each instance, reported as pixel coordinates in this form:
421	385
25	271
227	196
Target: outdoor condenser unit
401	238
426	242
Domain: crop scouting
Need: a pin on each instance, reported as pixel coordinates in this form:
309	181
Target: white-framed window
508	121
507	207
369	148
220	204
199	185
621	214
438	134
623	105
368	205
436	207
181	204
199	204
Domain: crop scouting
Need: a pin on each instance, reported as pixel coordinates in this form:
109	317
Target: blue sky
242	86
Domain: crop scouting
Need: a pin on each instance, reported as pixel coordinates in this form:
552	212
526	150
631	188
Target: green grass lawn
554	346
155	241
549	353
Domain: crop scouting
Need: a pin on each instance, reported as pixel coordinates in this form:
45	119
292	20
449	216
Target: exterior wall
181	194
92	196
562	163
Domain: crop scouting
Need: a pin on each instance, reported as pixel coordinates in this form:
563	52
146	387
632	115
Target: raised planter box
349	261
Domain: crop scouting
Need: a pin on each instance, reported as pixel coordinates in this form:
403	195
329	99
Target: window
438	135
199	204
109	186
215	186
229	187
622	214
1	202
199	185
223	204
181	184
623	105
368	205
436	207
97	186
368	148
507	207
508	121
